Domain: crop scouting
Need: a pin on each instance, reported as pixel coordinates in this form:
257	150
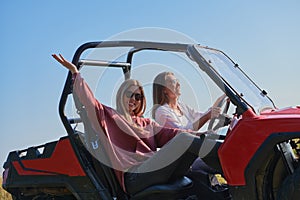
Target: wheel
276	181
272	180
290	188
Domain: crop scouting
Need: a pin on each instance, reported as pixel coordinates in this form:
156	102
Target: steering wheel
223	119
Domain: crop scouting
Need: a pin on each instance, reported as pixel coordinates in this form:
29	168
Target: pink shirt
126	145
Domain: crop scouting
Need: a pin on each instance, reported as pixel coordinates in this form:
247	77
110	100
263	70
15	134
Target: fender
263	155
61	161
245	139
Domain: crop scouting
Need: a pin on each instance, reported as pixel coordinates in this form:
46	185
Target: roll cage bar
137	46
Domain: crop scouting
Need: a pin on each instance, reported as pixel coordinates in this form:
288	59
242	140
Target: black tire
290	188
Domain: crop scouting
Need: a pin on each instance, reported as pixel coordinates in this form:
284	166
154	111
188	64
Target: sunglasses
136	96
173	81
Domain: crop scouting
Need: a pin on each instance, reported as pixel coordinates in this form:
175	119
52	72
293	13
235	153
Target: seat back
103	173
92	148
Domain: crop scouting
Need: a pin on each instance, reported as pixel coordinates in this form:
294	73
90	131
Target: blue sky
262	36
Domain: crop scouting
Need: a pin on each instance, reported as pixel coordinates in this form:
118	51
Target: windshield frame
222	69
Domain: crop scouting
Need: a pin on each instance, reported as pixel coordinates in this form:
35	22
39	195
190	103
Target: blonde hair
121	108
159	96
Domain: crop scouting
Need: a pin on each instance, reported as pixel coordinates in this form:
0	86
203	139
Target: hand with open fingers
70	66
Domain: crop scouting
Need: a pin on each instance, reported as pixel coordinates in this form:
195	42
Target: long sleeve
165	116
164	134
190	112
94	109
83	92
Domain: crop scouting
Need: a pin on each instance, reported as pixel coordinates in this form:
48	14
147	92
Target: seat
174	189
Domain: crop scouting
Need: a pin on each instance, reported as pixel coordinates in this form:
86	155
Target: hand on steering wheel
223	119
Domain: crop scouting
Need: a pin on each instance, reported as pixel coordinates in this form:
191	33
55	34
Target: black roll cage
137	46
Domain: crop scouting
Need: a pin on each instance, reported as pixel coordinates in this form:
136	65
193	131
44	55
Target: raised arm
80	87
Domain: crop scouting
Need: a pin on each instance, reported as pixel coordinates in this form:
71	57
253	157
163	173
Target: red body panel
247	136
62	161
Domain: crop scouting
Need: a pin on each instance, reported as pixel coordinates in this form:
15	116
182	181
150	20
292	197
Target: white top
166	116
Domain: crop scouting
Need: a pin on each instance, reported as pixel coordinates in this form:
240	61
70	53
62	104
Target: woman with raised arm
131	141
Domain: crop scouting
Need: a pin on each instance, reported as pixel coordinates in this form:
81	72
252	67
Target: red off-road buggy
258	144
